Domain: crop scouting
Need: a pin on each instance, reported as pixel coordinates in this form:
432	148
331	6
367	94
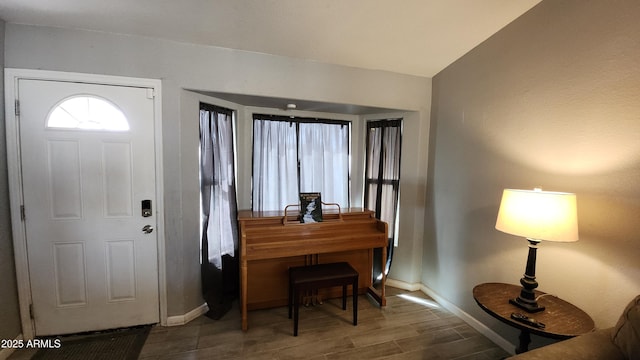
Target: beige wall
552	100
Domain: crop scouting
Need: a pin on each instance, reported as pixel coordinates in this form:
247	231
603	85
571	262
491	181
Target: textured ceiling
415	37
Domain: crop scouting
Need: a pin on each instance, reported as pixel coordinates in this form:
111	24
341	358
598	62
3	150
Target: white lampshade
539	215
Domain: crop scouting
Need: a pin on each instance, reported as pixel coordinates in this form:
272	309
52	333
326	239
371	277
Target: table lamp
536	215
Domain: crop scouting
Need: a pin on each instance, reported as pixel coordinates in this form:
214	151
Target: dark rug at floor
121	344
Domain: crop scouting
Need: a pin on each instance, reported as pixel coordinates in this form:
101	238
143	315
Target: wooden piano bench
312	277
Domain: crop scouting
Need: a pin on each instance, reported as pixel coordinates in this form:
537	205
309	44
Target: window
218	203
87	112
382	179
293	155
219	231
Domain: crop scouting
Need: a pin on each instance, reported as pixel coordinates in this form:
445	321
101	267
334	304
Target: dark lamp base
526	306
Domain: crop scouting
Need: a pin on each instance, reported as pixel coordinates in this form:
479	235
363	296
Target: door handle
147	229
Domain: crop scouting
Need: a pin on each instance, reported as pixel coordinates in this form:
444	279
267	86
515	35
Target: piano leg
383	299
379	295
243	300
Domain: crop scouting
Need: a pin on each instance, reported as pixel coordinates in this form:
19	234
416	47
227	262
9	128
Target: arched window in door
87	112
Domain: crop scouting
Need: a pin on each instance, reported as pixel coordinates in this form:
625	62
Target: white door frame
15	178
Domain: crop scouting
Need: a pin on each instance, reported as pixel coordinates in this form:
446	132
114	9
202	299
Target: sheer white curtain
382	179
324	161
219	242
275	161
217	181
321	149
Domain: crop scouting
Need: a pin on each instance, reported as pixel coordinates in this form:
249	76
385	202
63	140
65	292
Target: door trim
15	178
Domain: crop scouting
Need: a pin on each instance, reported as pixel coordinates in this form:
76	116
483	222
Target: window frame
395	183
297	120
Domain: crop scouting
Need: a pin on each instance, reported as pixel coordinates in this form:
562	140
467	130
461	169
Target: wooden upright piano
271	242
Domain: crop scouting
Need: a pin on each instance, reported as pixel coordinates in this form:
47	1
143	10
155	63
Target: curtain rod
215	108
299	119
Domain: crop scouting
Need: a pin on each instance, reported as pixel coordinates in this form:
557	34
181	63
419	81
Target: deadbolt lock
146	208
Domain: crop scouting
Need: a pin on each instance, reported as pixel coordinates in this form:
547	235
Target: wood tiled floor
411	326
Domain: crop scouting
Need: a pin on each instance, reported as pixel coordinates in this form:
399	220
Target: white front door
88	166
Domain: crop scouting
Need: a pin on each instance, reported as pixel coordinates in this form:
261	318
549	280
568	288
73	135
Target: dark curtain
382	182
219	260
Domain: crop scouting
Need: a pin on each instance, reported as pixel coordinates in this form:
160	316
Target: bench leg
296	308
354	291
344	297
290	298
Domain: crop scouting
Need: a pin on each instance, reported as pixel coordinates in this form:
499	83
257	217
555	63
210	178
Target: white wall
186	66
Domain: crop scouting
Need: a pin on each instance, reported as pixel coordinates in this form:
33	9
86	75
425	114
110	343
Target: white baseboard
183	319
470	320
403	285
5	353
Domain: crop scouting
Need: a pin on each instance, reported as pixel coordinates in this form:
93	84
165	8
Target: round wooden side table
562	319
